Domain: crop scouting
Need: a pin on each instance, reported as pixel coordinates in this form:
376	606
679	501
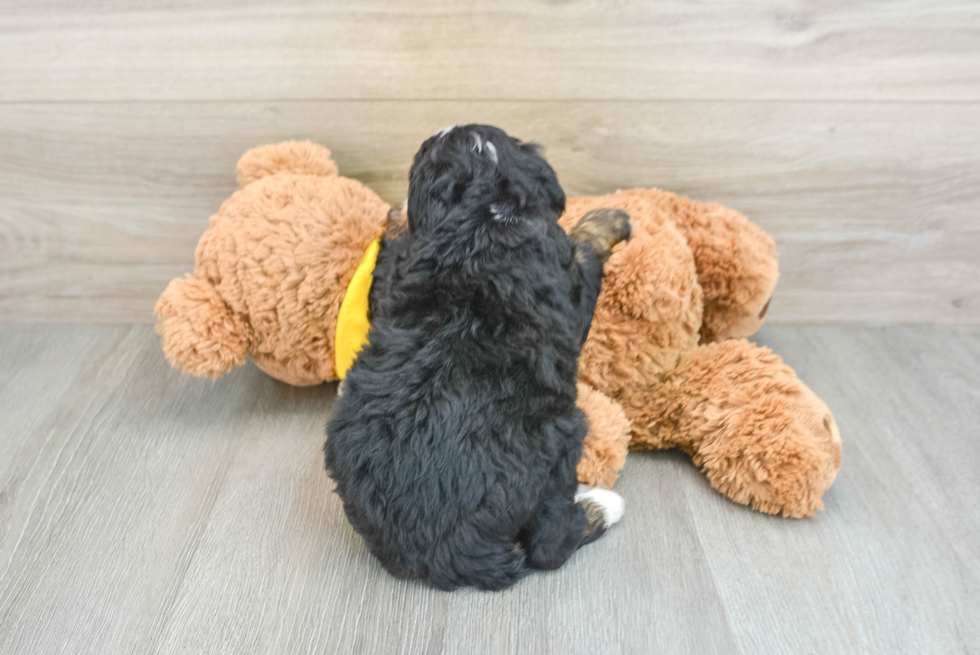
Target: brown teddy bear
665	366
282	276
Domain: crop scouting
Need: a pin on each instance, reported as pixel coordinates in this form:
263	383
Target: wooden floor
145	512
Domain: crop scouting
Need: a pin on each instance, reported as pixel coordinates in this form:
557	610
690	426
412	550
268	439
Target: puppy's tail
201	335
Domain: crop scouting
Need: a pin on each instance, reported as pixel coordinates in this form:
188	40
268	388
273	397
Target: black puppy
455	443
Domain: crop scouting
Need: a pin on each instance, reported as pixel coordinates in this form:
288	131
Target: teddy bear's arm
200	334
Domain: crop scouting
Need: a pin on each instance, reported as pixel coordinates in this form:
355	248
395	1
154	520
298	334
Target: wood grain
899	520
145	512
512	49
847	130
874	206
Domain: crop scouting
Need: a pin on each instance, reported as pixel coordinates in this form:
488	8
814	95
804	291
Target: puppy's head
475	180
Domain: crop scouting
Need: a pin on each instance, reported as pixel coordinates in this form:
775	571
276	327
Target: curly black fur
455	443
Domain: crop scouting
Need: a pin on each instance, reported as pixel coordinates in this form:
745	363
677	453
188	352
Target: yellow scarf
352	320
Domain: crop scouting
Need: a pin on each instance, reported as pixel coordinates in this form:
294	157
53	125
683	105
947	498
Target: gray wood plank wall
850	131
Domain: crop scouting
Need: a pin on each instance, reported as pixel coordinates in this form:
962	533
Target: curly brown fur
766	440
272	269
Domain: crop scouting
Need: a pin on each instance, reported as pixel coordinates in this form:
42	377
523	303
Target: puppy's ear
552	189
545	179
432	191
530	184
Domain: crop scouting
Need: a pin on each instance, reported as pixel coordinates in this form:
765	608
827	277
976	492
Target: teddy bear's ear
295	157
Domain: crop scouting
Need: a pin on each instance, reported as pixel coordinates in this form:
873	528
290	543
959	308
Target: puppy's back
459	417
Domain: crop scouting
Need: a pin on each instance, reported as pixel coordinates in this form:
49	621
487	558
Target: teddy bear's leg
736	263
296	157
607	441
201	335
762	437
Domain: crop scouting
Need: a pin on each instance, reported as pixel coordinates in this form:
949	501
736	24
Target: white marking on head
444	131
492	152
477	142
612	504
500	214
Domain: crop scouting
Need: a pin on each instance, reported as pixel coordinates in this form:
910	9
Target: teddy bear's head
272	269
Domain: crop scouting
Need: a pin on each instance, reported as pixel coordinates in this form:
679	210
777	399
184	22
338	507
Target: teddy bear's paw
763	438
785	470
